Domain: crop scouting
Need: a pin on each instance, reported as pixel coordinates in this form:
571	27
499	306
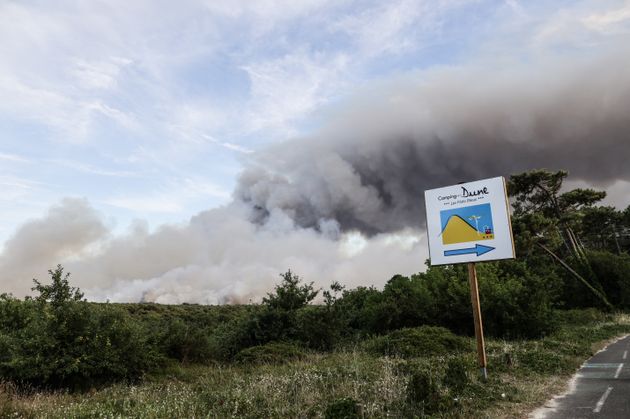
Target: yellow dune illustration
457	231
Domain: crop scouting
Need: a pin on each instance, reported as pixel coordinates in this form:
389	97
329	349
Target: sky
145	114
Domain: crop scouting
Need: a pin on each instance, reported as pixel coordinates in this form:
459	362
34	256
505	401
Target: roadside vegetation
403	351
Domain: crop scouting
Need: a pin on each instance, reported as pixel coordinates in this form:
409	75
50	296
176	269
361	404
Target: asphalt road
600	389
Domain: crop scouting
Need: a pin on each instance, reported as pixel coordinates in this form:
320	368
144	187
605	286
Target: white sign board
469	222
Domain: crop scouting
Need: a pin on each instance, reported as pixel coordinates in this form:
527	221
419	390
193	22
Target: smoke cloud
346	203
369	168
65	233
218	257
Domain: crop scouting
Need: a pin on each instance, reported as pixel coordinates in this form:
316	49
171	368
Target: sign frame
450	214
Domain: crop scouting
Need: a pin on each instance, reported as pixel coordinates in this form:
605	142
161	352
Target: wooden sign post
468	223
474	297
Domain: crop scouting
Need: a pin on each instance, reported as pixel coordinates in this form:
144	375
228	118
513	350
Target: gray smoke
218	257
346	203
64	233
369	168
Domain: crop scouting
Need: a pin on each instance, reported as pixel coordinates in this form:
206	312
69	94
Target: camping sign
469	222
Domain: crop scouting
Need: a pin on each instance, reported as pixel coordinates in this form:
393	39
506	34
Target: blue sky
482	211
148	109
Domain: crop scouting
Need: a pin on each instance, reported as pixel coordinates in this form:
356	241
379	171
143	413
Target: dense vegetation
348	383
572	254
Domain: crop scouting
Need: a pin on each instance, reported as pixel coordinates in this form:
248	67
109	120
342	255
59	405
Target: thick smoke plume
218	257
346	203
369	168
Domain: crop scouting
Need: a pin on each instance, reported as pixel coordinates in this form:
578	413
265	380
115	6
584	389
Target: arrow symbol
479	249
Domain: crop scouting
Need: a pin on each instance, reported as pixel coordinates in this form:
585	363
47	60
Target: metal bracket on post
474	297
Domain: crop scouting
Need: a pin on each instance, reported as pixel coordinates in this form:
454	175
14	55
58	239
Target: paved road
600	389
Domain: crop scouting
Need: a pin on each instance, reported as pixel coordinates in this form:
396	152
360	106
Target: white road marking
602	400
554	403
618	370
625	354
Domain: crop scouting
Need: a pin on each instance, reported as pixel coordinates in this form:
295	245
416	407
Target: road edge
550	405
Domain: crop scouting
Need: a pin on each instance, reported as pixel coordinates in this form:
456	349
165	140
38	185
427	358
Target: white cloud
91	169
229	146
578	26
13	158
101	74
609	21
172	197
270	11
382	29
396	26
286	89
148	203
8	180
516	7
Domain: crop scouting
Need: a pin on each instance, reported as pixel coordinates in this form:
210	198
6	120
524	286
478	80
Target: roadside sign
469	222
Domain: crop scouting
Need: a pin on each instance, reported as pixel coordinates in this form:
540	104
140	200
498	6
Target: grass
522	376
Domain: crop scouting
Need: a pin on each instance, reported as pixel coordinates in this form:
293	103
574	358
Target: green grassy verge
354	381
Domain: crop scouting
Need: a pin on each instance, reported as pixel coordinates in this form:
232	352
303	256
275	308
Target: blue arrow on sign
479	249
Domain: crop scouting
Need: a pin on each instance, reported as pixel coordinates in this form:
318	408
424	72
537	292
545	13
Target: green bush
184	332
60	341
536	358
612	272
457	375
231	337
357	308
421	341
184	341
421	387
277	319
345	408
423	392
581	317
270	353
404	302
516	301
319	327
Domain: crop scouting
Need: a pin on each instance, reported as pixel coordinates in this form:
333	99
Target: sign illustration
469	222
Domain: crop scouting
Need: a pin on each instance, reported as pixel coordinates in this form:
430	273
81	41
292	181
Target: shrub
404	302
277	320
357	308
423	392
283	316
421	341
457	375
544	362
231	337
516	301
7	395
421	387
290	294
61	341
184	341
581	317
345	408
270	353
321	327
612	273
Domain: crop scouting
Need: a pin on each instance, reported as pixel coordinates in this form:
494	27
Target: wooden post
474	297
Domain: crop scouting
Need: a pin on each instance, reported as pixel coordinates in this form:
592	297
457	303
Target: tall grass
521	376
